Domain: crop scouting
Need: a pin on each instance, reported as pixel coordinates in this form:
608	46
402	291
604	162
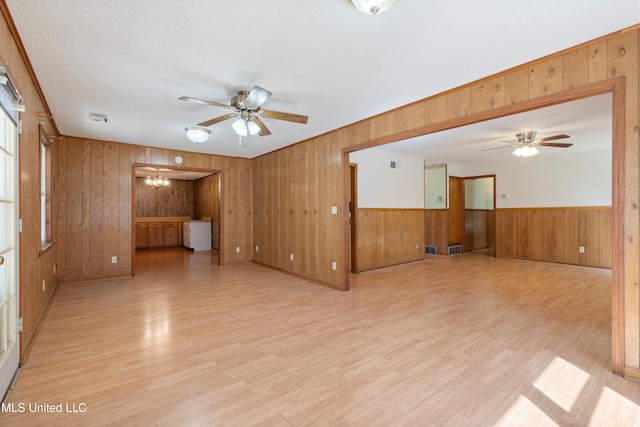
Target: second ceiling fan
527	143
246	105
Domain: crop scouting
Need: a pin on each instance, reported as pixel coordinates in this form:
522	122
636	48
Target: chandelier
157	181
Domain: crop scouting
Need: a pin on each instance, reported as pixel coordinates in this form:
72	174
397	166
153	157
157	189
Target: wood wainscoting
478	229
436	229
556	235
388	236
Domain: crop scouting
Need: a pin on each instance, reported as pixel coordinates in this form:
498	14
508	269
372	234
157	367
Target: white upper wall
381	186
560	180
478	193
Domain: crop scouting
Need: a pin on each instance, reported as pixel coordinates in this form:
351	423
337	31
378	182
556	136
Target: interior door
456	211
9	337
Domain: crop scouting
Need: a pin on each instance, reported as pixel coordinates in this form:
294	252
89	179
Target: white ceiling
132	60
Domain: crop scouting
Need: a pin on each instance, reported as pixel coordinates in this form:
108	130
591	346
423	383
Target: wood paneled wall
294	191
207	196
436	230
96	210
388	236
295	188
479	229
556	234
303	181
175	200
35	266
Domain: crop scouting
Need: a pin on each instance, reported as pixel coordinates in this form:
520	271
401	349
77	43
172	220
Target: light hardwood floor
450	341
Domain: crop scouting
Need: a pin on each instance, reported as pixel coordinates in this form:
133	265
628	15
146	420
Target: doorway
456	214
9	335
353	208
479	214
611	86
161	212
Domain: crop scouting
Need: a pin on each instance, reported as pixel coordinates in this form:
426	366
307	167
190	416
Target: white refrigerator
196	235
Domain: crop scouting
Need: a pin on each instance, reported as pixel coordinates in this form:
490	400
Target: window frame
46	190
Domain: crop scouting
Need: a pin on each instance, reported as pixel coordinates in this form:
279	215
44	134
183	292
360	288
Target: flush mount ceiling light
197	134
372	7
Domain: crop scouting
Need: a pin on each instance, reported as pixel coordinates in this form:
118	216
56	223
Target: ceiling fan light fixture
197	134
245	127
525	151
372	7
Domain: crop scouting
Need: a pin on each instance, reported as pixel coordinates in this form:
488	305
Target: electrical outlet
55	268
290	257
257	249
581	249
418	246
114	260
44	286
334	265
237	249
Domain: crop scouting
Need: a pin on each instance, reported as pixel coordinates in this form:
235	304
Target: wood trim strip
617	232
599	88
566	208
4	9
390	209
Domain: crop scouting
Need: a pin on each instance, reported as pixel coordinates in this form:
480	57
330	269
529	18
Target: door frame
493	176
183	168
353	220
615	86
10	360
459	208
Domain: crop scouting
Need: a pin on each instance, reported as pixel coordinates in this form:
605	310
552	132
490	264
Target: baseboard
632	374
299	276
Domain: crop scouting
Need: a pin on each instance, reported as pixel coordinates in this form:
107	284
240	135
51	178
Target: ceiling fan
527	143
246	105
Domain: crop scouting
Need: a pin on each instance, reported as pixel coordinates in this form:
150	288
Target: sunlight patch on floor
524	413
562	382
614	409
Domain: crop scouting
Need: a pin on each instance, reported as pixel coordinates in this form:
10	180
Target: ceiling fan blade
497	148
554	137
290	117
555	144
256	98
218	119
204	101
264	131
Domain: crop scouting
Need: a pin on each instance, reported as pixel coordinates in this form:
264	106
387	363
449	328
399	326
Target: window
46	237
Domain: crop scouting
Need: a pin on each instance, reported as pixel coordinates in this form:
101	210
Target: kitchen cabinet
142	235
158	233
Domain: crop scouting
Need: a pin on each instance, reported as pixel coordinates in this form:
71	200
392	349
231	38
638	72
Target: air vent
95	117
455	250
431	250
